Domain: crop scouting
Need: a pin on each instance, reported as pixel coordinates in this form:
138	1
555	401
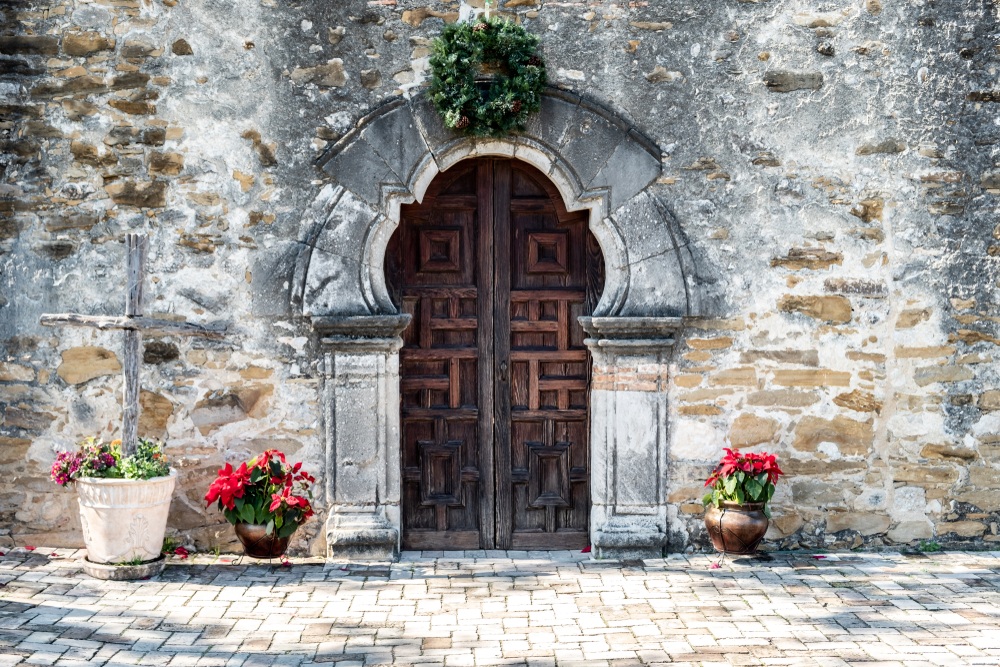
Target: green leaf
754	489
231	516
770	491
278	520
263	515
730	485
247	514
287	529
239	503
255	475
270	527
740	497
715	497
707	499
767	511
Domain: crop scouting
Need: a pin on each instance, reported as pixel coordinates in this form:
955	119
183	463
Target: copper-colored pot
257	543
734	528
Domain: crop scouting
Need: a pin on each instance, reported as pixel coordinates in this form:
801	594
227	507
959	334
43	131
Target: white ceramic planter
124	518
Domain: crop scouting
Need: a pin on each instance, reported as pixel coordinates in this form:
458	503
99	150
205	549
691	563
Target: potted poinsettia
265	500
124	502
737	507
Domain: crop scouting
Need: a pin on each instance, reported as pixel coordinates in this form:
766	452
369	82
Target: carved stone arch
598	161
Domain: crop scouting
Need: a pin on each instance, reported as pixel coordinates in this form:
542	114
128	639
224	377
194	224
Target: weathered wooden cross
133	323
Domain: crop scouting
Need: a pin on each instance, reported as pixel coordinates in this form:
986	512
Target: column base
361	537
633	545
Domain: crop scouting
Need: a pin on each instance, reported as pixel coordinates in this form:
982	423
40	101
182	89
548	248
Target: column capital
362	334
630	336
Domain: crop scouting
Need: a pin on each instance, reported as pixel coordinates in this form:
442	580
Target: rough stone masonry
833	166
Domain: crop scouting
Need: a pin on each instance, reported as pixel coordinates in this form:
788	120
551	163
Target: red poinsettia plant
267	492
743	478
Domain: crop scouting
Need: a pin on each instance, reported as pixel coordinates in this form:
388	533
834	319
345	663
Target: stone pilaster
628	433
361	408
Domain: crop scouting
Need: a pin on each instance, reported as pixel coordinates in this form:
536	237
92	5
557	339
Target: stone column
628	433
361	409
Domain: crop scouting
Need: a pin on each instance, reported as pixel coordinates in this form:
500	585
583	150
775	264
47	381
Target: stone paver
507	608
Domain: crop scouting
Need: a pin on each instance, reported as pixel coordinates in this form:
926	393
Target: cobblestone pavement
507	608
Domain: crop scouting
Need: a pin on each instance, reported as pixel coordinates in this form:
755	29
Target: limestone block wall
833	166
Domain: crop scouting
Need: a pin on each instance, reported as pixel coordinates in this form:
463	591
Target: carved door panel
551	276
493	370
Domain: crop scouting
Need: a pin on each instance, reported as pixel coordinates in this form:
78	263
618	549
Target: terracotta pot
124	519
734	528
257	543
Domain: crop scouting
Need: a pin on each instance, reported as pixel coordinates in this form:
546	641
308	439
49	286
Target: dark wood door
494	374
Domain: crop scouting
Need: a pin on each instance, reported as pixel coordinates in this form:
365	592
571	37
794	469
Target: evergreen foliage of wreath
488	107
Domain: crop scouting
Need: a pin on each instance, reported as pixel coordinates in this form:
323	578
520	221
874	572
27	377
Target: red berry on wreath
480	26
516	106
462	122
535	61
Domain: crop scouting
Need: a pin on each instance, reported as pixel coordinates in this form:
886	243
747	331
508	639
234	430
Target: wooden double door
494	387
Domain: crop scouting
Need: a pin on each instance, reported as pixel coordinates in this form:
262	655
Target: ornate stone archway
599	163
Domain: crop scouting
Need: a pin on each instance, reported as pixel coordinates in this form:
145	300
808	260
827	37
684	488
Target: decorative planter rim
116	481
746	507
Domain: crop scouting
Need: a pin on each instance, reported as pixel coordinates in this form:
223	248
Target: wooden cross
133	324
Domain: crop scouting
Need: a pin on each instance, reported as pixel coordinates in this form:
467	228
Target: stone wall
833	166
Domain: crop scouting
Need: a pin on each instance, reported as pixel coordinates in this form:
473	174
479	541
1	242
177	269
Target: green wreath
486	108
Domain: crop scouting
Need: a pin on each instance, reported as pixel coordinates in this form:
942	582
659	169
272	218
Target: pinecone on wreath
462	123
535	61
516	107
480	26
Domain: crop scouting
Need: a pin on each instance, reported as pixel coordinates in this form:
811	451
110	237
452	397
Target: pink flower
714	566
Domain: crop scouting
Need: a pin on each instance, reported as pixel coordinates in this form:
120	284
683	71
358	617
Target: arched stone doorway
494	373
601	166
